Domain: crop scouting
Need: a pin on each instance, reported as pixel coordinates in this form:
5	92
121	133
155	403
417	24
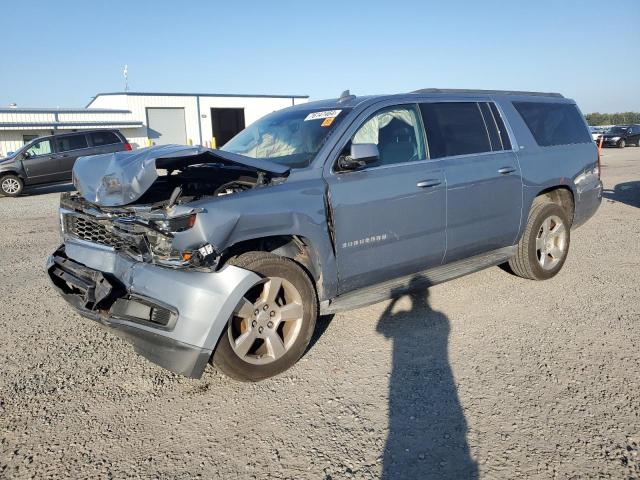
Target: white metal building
146	118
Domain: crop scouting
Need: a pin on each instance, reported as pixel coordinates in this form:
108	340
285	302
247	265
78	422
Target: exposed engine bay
160	183
199	181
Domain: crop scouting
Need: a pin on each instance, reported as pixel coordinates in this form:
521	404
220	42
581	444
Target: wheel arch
559	194
11	172
298	248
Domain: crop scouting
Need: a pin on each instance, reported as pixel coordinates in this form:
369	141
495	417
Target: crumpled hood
119	178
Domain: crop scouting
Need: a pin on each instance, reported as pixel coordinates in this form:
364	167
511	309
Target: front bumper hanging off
172	317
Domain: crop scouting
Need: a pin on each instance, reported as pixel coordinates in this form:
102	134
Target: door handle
505	170
432	182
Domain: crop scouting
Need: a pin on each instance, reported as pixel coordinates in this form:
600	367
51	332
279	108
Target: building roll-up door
166	125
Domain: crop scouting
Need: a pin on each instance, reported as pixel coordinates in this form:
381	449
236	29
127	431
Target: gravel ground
488	375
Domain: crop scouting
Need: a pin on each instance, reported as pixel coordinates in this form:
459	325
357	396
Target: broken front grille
93	231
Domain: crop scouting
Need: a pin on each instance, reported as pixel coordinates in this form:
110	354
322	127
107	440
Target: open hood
120	178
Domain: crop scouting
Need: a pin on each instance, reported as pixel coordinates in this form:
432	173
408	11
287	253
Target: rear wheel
11	185
543	248
273	323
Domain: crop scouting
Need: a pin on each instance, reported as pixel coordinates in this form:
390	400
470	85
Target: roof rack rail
488	92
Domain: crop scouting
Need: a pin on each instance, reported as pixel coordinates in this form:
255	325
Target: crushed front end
146	270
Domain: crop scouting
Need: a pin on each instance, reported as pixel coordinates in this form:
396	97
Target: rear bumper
171	317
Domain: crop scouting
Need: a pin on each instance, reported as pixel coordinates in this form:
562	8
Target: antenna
125	73
346	96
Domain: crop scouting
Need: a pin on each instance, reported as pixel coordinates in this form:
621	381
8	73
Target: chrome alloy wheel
267	321
551	242
10	186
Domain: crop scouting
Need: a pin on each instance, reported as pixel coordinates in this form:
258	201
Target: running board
403	285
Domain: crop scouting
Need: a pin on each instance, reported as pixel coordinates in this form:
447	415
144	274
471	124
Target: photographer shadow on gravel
427	427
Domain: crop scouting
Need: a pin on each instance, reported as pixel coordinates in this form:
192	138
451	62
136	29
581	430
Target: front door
484	186
41	163
388	218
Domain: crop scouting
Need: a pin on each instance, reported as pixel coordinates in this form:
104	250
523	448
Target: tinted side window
104	138
454	128
72	142
397	133
553	123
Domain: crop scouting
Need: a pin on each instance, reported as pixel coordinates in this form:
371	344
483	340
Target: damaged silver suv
198	255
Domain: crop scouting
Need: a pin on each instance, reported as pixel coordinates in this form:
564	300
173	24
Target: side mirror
361	155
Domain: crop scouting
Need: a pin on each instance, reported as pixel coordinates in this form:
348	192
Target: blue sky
62	55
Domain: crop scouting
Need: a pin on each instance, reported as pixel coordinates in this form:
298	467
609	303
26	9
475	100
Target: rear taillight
127	147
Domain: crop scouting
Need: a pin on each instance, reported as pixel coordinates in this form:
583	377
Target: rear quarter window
103	138
553	123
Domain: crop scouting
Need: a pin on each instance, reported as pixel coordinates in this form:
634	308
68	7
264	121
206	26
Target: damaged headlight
161	243
176	224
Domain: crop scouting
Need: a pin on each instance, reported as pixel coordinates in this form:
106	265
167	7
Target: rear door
388	218
41	163
70	147
484	185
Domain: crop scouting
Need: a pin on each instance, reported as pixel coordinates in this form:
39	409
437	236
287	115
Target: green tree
597	118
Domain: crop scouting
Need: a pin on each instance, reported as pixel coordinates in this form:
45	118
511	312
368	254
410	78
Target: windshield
288	137
617	130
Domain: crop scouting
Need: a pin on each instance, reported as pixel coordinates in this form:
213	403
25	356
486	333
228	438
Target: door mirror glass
361	154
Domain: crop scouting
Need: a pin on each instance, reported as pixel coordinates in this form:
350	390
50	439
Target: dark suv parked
50	159
620	136
231	254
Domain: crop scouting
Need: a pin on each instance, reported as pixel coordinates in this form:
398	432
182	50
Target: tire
622	143
11	185
544	246
272	344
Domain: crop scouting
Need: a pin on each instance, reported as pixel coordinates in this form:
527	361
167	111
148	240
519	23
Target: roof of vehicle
55	135
350	101
489	92
61	134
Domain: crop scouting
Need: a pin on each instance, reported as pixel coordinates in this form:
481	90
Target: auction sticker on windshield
320	115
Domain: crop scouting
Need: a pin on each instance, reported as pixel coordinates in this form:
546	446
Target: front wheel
622	143
543	248
272	325
11	185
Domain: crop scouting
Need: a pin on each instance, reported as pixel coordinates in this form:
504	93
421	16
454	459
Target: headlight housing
615	139
175	224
